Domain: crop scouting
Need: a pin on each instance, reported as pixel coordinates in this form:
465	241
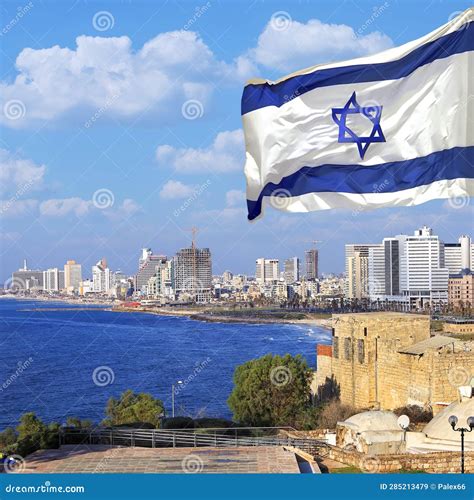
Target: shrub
333	412
416	414
178	423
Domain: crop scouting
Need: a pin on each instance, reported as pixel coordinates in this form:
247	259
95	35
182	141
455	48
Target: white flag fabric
391	129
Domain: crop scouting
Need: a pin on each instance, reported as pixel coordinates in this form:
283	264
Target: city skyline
104	171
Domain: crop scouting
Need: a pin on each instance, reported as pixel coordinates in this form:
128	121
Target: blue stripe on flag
384	178
256	96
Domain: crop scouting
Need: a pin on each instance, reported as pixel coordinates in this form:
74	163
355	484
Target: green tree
133	408
272	391
8	437
30	426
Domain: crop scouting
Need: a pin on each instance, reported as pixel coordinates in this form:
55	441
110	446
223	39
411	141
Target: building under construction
193	274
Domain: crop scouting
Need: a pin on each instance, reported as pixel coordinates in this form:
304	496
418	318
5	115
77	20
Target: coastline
195	314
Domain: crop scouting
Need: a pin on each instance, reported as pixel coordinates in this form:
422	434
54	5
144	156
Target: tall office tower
53	280
355	265
102	277
376	272
147	264
267	270
193	273
426	277
292	270
311	261
25	279
72	275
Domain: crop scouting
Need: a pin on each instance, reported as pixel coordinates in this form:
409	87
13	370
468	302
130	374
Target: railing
164	438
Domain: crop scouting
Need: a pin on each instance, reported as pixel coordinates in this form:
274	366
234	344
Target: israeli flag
392	129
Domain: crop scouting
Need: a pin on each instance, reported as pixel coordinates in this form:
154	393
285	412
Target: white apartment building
53	280
357	270
267	270
102	277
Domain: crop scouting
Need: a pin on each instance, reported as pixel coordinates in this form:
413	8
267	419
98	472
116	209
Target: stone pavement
107	459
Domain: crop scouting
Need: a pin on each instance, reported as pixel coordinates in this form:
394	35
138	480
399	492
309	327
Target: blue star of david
373	113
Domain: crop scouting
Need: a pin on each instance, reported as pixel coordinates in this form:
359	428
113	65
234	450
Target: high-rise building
311	260
25	279
292	270
267	270
102	277
357	269
53	280
457	256
147	267
72	276
193	274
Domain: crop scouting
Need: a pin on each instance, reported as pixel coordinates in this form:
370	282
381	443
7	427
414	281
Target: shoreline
193	314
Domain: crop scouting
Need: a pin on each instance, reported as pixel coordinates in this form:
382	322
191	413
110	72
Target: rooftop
432	343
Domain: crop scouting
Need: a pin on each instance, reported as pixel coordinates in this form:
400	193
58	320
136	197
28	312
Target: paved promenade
106	459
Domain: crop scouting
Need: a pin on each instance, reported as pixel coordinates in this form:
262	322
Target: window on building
365	331
361	350
335	347
347	348
333	331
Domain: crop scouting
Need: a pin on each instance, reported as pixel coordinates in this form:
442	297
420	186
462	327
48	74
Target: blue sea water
60	350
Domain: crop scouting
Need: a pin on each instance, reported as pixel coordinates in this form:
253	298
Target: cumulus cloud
173	190
225	154
105	76
19	175
65	206
300	45
16	208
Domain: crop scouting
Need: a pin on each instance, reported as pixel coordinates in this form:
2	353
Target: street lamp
453	420
172	396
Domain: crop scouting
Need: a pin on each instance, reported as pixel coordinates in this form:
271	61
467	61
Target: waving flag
391	129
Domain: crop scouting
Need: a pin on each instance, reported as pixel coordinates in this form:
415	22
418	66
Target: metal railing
167	438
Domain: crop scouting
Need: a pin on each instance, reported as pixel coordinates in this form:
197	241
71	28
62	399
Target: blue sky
121	127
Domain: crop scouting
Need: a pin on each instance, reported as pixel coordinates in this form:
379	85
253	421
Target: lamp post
453	420
172	396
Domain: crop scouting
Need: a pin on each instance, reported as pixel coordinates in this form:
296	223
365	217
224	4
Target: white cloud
65	206
300	45
18	175
16	208
225	154
235	197
174	190
105	76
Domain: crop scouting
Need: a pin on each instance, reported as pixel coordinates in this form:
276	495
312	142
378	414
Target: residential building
461	291
72	276
267	270
53	280
457	256
312	263
102	277
147	265
291	273
357	270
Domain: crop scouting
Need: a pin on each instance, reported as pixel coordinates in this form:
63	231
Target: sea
59	360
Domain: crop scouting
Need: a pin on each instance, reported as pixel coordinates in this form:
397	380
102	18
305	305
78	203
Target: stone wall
436	462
